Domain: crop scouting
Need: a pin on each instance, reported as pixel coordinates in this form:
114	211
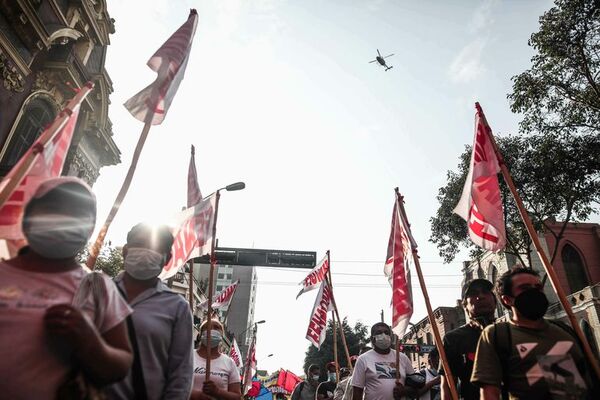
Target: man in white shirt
375	371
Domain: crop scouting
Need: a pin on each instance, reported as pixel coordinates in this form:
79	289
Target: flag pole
95	249
191	266
538	247
211	273
335	309
335	349
432	321
47	135
398	376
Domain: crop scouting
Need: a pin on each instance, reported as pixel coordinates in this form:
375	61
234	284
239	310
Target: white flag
235	355
317	325
481	203
223	299
315	276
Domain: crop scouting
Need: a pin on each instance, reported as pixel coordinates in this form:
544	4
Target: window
221	276
36	114
574	268
429	338
219	288
480	273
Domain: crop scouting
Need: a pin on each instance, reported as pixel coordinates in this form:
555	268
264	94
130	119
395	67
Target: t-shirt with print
376	374
223	372
542	362
32	366
460	346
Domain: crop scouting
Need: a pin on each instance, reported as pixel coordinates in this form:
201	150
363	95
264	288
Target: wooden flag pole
434	326
211	274
191	266
538	247
335	309
95	249
398	376
335	354
24	165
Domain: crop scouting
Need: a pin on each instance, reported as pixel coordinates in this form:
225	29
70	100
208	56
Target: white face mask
57	236
143	264
383	341
215	338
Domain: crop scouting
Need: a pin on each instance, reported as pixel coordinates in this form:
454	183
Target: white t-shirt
31	365
223	372
376	373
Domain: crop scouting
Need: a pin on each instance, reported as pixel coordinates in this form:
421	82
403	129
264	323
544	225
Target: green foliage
357	339
560	93
110	260
557	176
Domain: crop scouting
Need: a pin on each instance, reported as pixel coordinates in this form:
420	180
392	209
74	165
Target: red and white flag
235	355
317	326
193	235
48	163
250	369
169	62
315	276
481	203
397	270
193	193
223	299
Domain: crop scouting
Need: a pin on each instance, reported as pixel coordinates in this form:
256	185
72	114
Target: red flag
48	163
193	194
397	269
480	203
287	380
318	318
193	234
222	299
250	369
169	62
315	277
235	355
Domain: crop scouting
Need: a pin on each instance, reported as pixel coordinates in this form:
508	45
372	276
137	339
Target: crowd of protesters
67	334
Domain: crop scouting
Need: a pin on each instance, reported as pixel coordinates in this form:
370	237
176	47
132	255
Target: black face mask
532	303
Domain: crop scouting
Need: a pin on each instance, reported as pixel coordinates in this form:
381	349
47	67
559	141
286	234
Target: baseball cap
475	284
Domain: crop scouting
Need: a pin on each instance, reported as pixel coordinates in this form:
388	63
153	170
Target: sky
281	95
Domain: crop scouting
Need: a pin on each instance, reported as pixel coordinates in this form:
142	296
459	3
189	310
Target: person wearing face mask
161	324
224	382
375	370
49	327
460	344
529	357
326	389
307	390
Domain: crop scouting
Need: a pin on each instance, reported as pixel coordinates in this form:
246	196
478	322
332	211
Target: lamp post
213	260
262	321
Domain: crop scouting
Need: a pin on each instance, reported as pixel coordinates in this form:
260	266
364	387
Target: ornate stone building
49	48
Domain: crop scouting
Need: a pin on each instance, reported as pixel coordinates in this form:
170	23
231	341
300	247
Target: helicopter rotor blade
372	61
378	53
389	55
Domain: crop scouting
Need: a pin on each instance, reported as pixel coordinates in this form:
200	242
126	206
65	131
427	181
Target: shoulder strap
503	346
137	373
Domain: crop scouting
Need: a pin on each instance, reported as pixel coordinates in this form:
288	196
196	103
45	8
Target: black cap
477	283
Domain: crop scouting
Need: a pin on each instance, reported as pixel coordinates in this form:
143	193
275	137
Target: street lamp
262	321
234	186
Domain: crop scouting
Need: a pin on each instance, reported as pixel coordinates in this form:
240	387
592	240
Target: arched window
574	268
589	334
36	114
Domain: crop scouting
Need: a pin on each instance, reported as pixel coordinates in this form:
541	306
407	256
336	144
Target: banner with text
315	277
317	325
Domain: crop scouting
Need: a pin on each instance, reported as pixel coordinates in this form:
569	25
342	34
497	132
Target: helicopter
381	60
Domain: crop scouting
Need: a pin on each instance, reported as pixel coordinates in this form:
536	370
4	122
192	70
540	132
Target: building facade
421	333
49	49
576	263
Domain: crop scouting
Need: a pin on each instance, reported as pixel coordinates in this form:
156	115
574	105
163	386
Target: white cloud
483	17
467	65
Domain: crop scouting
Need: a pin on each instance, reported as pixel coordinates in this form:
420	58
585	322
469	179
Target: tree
355	337
557	176
110	260
560	93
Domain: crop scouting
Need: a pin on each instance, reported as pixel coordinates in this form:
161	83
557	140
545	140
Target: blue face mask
331	376
215	339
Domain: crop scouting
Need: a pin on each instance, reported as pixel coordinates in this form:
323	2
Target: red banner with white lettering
317	325
315	276
193	235
250	369
235	355
223	299
397	270
481	203
49	162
